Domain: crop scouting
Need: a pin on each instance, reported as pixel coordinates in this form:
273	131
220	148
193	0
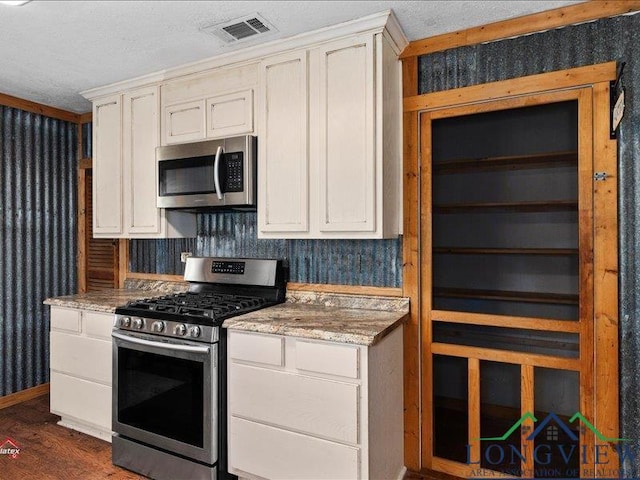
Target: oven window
187	176
160	394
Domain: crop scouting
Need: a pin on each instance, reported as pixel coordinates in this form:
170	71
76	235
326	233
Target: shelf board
509	296
546	206
515	162
506	251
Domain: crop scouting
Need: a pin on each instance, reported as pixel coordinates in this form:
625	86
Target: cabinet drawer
65	319
70	354
339	360
312	405
267	349
273	453
97	324
83	400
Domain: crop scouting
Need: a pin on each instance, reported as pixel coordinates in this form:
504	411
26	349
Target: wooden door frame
605	301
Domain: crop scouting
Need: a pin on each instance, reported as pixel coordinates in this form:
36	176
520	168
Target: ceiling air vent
240	28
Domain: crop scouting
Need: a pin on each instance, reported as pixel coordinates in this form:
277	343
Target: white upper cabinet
229	115
283	156
107	167
184	122
126	129
326	107
330	141
140	139
213	104
346	135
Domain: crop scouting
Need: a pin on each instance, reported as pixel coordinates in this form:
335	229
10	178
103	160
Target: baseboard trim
24	395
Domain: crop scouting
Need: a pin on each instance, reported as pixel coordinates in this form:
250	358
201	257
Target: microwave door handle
165	346
216	172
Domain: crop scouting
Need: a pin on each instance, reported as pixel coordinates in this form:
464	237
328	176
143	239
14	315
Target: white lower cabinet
81	370
312	409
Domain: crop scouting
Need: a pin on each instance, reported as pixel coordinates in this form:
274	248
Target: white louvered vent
240	28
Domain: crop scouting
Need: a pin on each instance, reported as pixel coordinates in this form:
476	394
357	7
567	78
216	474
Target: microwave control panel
235	173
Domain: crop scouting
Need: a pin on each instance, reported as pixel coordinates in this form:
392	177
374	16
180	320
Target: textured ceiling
51	50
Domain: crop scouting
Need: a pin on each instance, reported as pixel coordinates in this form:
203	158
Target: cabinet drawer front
321	407
184	122
69	354
339	360
97	324
81	399
267	349
230	114
273	453
65	319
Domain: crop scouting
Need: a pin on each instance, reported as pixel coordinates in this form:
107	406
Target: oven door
165	394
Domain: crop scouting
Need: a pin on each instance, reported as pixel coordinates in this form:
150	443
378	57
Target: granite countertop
102	301
335	317
107	300
356	319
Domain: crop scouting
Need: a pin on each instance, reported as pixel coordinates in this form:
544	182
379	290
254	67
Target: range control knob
195	332
138	323
158	326
181	330
125	322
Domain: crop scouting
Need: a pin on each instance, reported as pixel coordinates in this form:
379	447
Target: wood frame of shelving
512	162
602	378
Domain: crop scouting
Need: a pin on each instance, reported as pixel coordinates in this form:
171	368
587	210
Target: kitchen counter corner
339	318
108	300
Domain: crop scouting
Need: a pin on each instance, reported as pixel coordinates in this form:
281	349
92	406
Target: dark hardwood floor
51	452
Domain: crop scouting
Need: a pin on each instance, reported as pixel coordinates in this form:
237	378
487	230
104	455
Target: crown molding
375	23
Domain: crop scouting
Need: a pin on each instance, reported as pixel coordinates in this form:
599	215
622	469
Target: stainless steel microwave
212	174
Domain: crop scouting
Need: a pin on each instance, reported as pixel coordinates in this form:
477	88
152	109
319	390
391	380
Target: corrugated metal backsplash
38	191
234	234
596	42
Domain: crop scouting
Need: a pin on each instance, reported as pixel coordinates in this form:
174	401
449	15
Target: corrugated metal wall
234	234
87	139
596	42
37	239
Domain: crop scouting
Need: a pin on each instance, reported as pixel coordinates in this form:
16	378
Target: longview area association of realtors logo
553	447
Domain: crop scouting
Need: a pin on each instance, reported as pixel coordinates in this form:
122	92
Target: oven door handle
166	346
216	172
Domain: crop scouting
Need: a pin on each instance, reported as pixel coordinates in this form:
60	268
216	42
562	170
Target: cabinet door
107	167
184	122
140	139
346	134
283	159
230	114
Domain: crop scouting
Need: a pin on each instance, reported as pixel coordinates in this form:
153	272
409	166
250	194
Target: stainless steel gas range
169	368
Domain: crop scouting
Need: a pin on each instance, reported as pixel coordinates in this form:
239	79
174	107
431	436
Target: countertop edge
367	340
93	307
